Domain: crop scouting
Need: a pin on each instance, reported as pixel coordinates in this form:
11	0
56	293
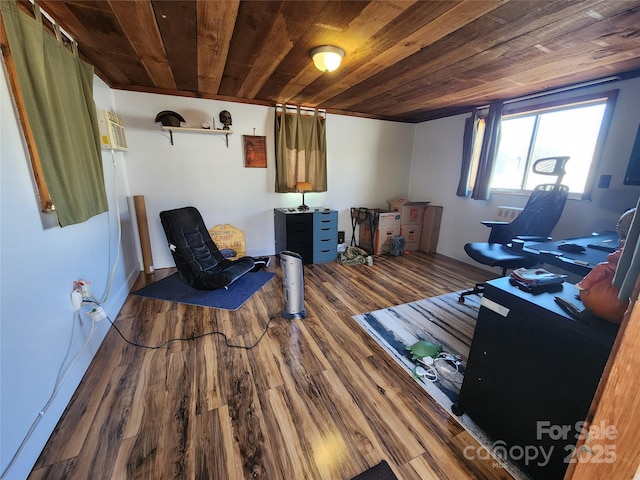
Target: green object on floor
424	348
355	256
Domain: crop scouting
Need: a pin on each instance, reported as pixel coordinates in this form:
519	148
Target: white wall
37	270
368	162
436	167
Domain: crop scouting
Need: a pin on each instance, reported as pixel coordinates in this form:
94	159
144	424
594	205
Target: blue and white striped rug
441	320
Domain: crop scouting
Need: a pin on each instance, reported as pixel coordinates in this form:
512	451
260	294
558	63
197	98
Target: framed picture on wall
255	151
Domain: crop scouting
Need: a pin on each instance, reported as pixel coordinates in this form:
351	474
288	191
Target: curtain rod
53	22
306	109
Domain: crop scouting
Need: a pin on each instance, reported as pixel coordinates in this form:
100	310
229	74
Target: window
576	129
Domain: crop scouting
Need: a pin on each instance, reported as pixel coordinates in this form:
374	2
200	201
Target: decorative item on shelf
303	187
327	58
255	151
169	118
172	124
225	119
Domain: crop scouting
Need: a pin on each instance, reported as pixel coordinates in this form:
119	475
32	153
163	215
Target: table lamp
303	187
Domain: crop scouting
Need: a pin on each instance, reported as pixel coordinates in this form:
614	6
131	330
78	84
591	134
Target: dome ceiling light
327	58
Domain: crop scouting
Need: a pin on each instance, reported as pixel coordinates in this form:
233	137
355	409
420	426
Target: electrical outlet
84	287
604	182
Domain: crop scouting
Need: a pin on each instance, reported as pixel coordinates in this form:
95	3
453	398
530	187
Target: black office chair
200	263
535	223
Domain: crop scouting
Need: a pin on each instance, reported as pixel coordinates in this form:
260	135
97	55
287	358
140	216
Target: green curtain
301	150
58	93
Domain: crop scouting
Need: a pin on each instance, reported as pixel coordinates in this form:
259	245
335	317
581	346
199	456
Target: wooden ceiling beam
254	21
138	22
177	24
290	25
216	21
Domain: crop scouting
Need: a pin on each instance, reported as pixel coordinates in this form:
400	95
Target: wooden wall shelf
211	131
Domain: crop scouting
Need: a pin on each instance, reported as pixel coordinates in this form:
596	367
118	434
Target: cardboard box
388	219
388	225
396	204
381	241
412	234
431	229
413	212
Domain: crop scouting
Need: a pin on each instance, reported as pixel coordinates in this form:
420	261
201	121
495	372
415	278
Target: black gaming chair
535	223
199	261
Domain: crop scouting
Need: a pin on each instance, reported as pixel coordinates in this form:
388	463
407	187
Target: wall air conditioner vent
111	131
507	214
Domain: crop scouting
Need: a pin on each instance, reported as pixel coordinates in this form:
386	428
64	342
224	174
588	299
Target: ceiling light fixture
327	58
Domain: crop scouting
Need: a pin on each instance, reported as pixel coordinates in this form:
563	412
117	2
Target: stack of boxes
417	222
411	224
388	225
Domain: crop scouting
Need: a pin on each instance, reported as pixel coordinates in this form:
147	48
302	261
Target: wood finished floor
315	399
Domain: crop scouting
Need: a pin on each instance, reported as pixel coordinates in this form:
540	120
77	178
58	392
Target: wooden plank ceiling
405	60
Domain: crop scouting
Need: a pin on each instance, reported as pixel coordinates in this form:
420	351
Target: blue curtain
470	132
490	143
481	178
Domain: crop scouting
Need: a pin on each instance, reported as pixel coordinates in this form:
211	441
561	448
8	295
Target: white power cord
115	263
62	375
430	368
83	286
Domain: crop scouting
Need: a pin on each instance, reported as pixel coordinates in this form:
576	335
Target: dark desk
311	233
533	369
578	263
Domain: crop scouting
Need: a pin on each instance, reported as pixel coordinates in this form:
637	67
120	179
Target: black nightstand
311	233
